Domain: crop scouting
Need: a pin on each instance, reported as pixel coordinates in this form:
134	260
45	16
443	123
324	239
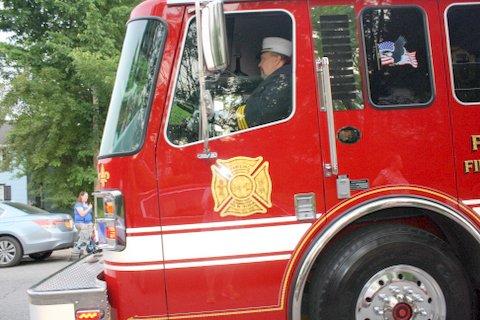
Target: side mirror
214	36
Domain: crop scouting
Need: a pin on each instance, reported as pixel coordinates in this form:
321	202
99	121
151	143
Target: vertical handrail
203	130
327	105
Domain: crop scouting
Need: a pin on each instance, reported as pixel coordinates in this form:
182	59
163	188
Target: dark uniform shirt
271	100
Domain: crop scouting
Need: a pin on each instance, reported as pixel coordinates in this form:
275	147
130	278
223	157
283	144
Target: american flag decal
409	58
386	60
387	46
394	54
386	49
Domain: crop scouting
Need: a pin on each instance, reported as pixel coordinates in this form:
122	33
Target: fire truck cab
361	202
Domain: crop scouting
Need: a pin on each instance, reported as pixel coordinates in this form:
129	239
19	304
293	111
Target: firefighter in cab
272	99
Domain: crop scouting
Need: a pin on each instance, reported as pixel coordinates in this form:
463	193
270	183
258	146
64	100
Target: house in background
12	186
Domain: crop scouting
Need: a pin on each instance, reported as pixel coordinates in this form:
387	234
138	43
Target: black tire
40	255
350	267
11	252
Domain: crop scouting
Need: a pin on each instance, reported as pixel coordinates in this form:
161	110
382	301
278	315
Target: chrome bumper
78	286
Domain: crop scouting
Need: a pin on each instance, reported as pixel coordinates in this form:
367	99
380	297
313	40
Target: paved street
15	281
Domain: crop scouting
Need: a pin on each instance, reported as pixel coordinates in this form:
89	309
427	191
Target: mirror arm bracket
206	154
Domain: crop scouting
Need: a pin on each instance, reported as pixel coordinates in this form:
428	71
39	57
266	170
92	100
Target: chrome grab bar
203	128
327	105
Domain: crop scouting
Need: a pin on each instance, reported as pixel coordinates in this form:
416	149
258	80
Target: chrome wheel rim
401	292
7	252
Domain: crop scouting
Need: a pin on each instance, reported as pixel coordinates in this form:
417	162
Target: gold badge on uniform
241	121
241	186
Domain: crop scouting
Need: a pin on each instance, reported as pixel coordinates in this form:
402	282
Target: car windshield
134	85
26	208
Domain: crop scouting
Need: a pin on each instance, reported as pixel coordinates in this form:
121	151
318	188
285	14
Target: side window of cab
256	89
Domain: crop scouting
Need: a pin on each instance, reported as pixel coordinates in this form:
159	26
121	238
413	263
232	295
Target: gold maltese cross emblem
241	186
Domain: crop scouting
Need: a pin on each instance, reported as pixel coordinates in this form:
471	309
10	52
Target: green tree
60	71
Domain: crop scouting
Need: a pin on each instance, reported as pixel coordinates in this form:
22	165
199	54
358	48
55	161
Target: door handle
327	106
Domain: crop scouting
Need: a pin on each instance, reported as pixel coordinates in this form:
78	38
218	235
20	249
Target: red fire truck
363	202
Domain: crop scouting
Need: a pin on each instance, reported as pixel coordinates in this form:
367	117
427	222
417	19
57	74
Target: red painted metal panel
413	143
136	293
465	121
292	149
135	176
226	287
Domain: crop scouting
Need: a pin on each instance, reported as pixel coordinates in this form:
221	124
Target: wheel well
461	242
12	236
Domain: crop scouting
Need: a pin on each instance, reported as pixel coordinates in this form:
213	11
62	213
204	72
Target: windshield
26	208
131	97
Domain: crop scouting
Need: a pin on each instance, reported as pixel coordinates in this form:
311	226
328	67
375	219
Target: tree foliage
61	68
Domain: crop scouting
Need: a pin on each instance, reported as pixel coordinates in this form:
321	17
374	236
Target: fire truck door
229	224
462	38
390	123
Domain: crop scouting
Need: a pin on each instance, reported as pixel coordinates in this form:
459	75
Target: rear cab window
397	54
464	46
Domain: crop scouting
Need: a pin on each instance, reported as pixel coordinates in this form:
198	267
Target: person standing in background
83	219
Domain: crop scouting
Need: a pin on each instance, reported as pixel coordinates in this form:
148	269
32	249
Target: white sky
4	36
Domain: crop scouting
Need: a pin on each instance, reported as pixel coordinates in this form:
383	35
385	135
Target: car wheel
10	251
40	255
390	272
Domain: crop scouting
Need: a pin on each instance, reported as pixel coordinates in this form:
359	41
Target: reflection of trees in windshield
133	112
183	117
227	89
130	137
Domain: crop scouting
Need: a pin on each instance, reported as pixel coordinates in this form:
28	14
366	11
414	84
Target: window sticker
394	54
